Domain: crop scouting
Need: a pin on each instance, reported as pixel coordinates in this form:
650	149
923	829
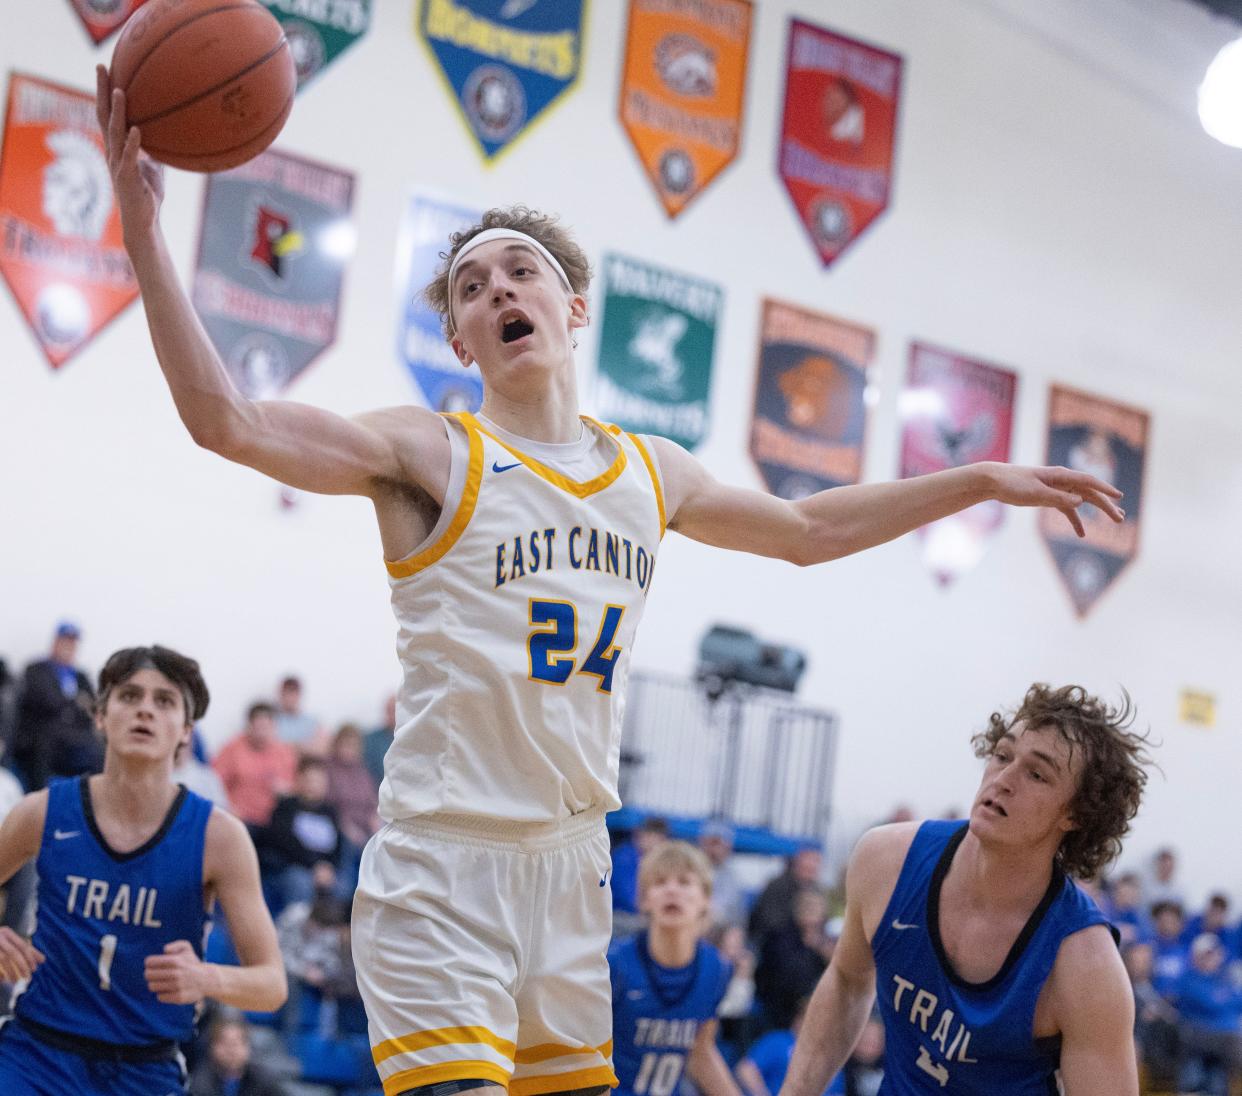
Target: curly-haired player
991	968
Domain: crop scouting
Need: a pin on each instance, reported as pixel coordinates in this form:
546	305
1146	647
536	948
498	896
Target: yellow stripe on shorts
562	1082
440	1037
543	1052
447	1071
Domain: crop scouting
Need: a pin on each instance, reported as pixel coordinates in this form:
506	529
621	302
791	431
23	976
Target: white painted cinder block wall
1057	210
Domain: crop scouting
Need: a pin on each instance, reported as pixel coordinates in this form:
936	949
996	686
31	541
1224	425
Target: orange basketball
208	82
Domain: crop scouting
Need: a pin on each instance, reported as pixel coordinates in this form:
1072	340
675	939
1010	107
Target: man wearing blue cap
55	732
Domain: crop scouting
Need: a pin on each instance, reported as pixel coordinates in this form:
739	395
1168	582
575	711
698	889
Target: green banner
655	350
319	33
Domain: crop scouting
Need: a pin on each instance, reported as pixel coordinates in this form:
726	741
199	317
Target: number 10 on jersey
553	646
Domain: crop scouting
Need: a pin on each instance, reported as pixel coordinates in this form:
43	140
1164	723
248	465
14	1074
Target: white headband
486	237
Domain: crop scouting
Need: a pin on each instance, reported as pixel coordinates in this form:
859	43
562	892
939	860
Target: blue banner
506	61
425	229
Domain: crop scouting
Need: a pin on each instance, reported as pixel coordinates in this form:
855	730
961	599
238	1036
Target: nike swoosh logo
633	994
497	467
902	928
64	835
603	879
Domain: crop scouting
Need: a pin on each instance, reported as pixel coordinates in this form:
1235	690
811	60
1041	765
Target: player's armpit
231	873
1093	1006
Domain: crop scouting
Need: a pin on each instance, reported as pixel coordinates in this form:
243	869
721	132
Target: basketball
209	83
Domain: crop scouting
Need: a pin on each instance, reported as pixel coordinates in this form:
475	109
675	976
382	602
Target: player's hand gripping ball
208	83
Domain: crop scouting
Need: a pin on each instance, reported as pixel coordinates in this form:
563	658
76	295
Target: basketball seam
177	30
282	44
157	152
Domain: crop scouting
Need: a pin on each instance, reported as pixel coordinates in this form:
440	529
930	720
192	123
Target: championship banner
810	417
61	251
267	286
104	17
682	89
837	135
505	61
319	33
655	350
954	411
1109	440
445	384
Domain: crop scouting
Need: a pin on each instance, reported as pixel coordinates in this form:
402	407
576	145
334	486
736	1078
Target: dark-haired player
129	867
991	968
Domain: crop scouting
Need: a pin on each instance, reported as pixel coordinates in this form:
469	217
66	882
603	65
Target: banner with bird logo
275	238
955	410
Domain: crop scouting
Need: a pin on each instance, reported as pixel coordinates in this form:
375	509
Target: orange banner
682	91
60	232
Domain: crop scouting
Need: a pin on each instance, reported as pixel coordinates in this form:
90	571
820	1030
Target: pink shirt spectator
256	767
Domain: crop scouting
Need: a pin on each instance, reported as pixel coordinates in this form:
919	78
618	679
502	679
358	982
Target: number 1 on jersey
107	952
551	646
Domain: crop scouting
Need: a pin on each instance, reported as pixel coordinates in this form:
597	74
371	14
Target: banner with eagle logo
275	237
1109	440
104	17
682	89
810	415
61	251
505	61
837	134
955	410
656	347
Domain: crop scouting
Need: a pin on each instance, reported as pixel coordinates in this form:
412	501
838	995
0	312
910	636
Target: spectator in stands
1123	904
626	858
1215	920
378	739
774	908
793	958
734	1011
728	896
864	1069
761	1072
1155	1019
16	894
293	725
1161	884
199	777
1170	955
302	833
1210	1006
55	731
8	705
228	1070
350	787
256	766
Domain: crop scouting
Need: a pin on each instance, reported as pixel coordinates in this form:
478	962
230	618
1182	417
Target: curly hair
544	227
1112	773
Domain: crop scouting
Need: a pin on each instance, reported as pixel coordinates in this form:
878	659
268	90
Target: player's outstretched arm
1094	1008
231	873
305	447
20	836
842	1000
706	1065
844	520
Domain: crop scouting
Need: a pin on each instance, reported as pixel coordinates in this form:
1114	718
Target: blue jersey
657	1011
101	913
942	1033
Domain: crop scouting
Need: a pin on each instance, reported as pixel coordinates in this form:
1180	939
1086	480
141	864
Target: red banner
837	135
954	411
60	233
104	17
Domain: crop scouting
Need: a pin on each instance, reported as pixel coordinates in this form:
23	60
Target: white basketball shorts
481	951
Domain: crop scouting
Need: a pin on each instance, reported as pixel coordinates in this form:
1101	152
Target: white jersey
515	623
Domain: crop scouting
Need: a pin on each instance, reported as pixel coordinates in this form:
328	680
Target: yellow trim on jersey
411	565
447	1071
655	479
581	490
562	1082
441	1037
542	1052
